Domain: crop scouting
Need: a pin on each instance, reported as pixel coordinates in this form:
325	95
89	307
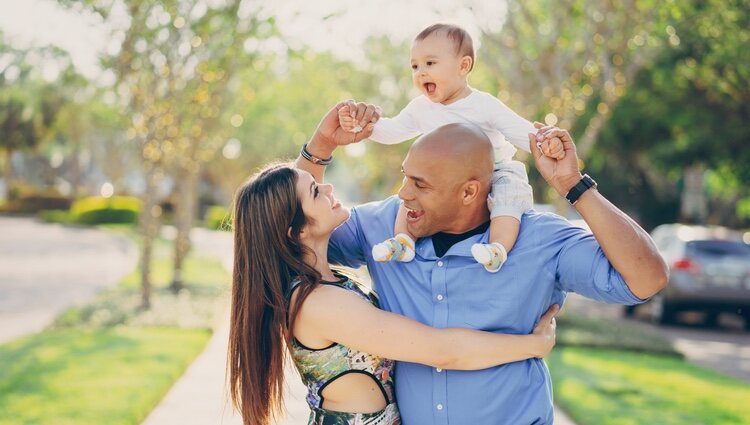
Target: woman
286	296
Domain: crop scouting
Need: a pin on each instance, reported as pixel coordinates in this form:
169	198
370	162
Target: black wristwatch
583	185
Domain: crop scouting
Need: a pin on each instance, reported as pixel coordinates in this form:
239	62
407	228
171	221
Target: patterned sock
398	248
491	255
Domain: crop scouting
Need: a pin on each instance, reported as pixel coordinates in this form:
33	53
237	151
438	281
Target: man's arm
628	247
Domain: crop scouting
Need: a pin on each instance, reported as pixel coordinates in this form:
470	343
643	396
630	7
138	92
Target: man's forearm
627	246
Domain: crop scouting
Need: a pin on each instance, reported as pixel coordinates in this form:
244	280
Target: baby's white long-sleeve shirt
421	115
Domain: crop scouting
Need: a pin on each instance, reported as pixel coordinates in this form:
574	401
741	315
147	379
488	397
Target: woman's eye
315	192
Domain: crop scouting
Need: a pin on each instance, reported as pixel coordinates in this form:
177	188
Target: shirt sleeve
512	126
346	244
582	267
402	127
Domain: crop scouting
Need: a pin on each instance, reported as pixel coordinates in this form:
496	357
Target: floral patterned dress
320	367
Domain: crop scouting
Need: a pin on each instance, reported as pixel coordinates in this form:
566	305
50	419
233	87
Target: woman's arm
329	135
331	314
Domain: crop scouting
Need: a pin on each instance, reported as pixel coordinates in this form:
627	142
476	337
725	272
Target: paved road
725	349
46	268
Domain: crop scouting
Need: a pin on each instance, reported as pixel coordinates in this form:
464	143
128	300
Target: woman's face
323	210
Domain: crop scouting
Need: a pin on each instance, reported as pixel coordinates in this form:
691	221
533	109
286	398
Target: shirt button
438	370
439	297
440	264
439	406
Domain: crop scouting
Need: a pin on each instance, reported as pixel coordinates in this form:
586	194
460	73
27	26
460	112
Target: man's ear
471	191
465	64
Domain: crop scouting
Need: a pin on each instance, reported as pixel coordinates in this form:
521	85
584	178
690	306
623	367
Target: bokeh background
138	119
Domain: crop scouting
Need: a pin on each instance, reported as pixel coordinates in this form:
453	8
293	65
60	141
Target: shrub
55	216
32	200
98	210
218	218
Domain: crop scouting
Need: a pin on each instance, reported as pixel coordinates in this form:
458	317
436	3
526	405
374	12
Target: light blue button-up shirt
551	257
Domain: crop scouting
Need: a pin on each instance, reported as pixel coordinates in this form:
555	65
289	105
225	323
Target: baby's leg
511	196
399	247
504	230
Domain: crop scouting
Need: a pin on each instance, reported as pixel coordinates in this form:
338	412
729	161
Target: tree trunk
75	169
149	226
8	172
184	213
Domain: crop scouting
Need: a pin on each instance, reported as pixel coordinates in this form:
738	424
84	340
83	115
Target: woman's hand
329	133
545	331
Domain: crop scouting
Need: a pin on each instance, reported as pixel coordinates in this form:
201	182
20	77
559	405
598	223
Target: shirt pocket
496	302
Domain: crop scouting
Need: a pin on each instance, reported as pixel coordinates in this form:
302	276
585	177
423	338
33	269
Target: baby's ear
465	64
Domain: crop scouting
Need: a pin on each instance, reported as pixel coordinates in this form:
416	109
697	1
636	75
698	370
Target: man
447	177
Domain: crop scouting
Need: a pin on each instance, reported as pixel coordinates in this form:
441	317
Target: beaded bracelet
312	158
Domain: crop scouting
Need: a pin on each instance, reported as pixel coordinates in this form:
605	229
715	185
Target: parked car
709	272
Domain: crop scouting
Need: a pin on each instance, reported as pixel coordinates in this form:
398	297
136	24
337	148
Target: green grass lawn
109	361
606	387
85	376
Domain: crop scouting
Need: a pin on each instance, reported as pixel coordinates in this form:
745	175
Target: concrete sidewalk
48	268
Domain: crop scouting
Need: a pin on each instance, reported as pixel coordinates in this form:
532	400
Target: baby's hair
461	39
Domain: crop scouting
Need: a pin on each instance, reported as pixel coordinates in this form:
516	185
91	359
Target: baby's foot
491	255
399	248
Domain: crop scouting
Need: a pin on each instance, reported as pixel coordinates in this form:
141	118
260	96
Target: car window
718	248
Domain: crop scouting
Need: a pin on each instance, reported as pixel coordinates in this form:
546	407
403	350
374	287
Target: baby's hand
553	148
347	119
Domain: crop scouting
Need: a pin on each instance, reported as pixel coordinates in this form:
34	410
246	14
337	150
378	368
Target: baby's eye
414	67
430	63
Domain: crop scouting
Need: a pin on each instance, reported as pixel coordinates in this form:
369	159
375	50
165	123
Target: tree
28	103
687	111
175	73
558	57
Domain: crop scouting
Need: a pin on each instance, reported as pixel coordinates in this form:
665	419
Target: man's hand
553	148
546	331
561	172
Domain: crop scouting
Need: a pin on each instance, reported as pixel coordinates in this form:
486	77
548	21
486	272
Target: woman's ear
302	233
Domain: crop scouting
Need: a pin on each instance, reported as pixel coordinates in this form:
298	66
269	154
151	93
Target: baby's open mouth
429	88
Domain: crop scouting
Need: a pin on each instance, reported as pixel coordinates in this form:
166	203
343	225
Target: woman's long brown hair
268	256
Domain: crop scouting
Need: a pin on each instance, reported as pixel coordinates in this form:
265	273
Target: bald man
447	176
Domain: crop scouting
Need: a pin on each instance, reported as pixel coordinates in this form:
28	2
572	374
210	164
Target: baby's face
437	69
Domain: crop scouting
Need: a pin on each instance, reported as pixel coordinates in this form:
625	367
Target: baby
442	56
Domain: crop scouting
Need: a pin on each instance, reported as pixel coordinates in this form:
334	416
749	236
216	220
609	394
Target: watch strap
582	186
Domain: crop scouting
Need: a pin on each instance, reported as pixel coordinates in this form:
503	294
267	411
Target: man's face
431	193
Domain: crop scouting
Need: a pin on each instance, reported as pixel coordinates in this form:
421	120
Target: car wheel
712	319
668	314
746	316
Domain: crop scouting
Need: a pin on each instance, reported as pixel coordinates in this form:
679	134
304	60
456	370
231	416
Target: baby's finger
368	116
545	147
361	108
376	115
351	108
